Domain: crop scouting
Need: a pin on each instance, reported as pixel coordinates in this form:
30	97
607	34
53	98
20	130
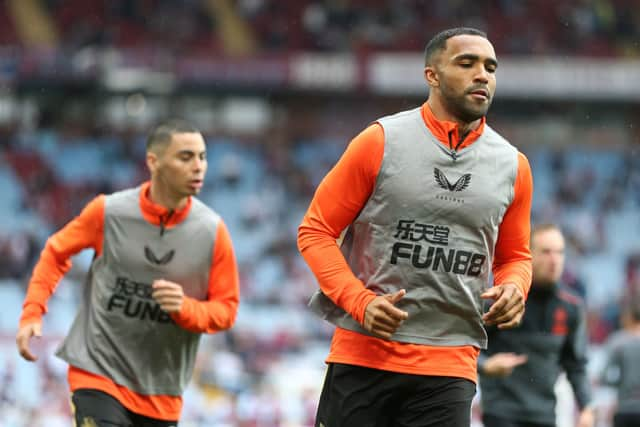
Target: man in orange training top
432	199
164	272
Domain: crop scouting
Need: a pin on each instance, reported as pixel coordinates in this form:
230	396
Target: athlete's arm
84	231
512	263
573	358
337	202
219	311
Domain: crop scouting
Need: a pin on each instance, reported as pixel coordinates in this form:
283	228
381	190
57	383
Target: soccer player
432	200
519	370
164	273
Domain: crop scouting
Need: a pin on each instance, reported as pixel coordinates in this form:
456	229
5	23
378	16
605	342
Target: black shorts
94	408
358	396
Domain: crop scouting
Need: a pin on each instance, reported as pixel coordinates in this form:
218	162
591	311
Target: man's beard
458	105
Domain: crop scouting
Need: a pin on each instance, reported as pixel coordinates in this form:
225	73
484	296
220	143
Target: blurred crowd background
279	87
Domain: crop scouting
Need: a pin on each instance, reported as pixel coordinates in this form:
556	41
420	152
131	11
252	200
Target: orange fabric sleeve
219	311
84	231
337	202
512	263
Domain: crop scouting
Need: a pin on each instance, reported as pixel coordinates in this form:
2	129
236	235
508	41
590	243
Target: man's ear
431	76
152	161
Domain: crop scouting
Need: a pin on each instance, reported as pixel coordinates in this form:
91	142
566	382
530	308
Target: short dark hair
439	41
164	131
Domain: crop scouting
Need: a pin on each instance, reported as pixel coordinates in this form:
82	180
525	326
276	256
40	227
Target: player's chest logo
158	260
444	183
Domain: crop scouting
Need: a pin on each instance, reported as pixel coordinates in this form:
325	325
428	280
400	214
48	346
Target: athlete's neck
441	113
165	198
538	288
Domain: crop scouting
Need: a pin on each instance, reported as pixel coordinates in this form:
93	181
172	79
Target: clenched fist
507	310
382	317
168	294
23	337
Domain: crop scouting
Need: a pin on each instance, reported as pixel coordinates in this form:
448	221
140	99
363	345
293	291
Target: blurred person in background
431	199
520	367
622	367
164	272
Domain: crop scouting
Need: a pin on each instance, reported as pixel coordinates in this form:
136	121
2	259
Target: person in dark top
520	367
622	370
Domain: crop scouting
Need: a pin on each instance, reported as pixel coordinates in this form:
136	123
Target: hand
587	417
502	364
25	333
381	317
508	308
168	294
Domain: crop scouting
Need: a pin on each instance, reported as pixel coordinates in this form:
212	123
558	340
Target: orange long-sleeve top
216	313
337	202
